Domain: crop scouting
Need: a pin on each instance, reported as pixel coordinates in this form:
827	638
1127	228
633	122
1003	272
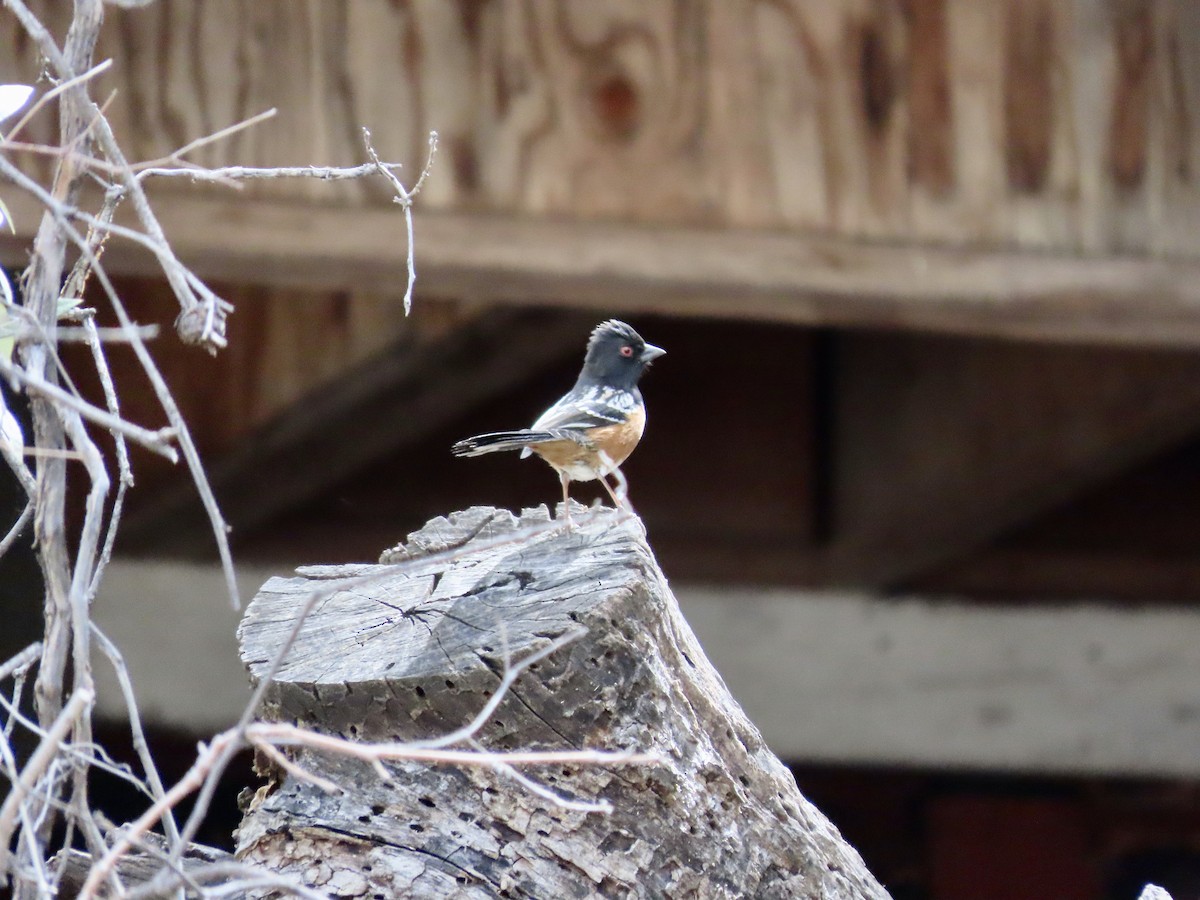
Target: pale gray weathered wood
414	647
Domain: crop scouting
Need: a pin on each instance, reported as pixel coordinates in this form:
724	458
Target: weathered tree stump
414	647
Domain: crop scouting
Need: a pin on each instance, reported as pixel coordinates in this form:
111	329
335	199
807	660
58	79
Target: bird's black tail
501	440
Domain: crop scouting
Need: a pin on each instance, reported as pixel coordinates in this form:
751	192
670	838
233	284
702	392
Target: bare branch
218	765
97	237
68	334
283	735
298	772
17	527
210	333
61	431
180	432
192	780
602	807
183	437
264	734
78	598
140	746
157	441
247	878
45	753
17	691
249	173
55	91
81	754
21	661
220	135
404	197
203	314
125	479
28	846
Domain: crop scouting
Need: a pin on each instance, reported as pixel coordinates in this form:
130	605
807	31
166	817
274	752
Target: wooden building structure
924	455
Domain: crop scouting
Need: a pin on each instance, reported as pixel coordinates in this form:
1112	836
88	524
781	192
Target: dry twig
404	196
39	762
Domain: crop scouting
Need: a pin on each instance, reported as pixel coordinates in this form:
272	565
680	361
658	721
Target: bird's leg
622	487
566	481
608	487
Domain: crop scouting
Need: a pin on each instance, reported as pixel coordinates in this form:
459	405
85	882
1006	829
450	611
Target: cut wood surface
413	648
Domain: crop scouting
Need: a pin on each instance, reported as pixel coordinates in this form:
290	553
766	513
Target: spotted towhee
594	427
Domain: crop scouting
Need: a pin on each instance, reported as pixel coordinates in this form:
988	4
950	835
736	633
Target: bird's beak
651	353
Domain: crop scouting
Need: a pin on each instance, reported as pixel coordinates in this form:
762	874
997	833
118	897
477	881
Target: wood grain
1047	124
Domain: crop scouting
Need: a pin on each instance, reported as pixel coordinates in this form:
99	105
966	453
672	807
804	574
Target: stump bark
414	647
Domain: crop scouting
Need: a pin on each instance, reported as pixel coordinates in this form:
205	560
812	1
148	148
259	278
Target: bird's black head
617	356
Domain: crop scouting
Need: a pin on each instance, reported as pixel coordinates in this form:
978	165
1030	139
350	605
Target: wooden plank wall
1065	125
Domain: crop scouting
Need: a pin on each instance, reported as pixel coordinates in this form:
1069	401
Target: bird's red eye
627	351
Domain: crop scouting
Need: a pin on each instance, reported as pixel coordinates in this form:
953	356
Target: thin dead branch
155	441
41	102
125	479
21	661
47	751
404	196
17	527
140	745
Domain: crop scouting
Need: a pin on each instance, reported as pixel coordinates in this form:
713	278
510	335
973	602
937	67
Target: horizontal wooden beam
732	273
853	678
835	677
184	661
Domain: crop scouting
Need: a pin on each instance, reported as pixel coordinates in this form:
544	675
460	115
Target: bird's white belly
581	472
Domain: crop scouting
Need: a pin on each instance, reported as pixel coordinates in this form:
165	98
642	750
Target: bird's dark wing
588	407
570	419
